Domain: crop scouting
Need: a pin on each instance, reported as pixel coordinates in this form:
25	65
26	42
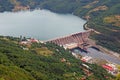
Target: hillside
43	62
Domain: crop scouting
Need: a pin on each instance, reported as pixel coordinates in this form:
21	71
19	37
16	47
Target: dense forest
43	62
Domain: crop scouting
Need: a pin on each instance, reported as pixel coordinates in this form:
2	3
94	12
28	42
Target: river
40	24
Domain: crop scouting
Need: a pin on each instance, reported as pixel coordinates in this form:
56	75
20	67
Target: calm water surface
41	24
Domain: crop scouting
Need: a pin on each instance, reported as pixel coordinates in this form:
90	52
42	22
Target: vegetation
113	20
118	77
4	5
19	64
43	51
14	73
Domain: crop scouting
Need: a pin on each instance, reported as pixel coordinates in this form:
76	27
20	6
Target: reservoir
40	24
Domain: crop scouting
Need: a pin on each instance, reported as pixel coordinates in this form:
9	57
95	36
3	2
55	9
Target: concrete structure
87	59
29	41
111	68
73	40
32	40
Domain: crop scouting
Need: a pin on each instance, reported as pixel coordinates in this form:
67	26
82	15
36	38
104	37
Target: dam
73	40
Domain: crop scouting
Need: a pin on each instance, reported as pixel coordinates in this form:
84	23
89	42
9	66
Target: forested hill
102	15
48	61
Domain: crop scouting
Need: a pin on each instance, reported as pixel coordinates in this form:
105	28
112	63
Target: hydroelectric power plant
74	40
